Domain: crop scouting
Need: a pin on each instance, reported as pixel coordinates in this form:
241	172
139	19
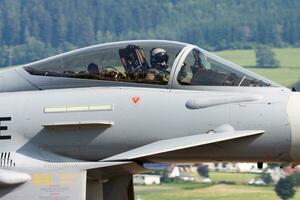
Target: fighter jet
78	125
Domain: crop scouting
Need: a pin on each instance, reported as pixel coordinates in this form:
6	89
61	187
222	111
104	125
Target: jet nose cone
293	109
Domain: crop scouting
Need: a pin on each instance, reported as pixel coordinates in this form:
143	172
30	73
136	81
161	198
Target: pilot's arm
157	75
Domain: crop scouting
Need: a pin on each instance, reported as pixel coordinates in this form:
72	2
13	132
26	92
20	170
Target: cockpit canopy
132	62
149	63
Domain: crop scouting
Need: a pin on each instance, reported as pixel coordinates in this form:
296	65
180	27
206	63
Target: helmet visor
161	57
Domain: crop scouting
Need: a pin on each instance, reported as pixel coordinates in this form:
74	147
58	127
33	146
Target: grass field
289	58
218	177
284	76
240	57
213	192
237	190
239	178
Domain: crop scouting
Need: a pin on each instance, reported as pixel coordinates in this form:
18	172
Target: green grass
214	192
284	76
239	178
240	57
188	185
288	57
287	75
217	177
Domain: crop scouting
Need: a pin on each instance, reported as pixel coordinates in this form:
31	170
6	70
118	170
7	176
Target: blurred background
260	35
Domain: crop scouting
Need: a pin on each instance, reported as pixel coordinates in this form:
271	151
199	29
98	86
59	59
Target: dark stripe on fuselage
5	137
5	118
4	128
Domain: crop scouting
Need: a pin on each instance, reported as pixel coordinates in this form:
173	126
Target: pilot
197	68
93	69
159	62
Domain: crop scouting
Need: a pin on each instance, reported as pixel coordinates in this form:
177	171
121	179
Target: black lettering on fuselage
4	128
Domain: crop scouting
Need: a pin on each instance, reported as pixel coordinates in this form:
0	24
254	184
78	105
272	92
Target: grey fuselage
159	114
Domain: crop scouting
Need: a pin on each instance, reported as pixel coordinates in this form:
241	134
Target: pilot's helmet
159	58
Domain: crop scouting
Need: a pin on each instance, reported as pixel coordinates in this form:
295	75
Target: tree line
34	29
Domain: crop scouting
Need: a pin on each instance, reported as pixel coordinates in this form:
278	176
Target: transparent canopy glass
203	68
123	62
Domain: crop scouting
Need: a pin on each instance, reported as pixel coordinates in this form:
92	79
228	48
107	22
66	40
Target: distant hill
32	29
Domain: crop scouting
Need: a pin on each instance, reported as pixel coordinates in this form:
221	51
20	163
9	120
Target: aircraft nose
293	109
